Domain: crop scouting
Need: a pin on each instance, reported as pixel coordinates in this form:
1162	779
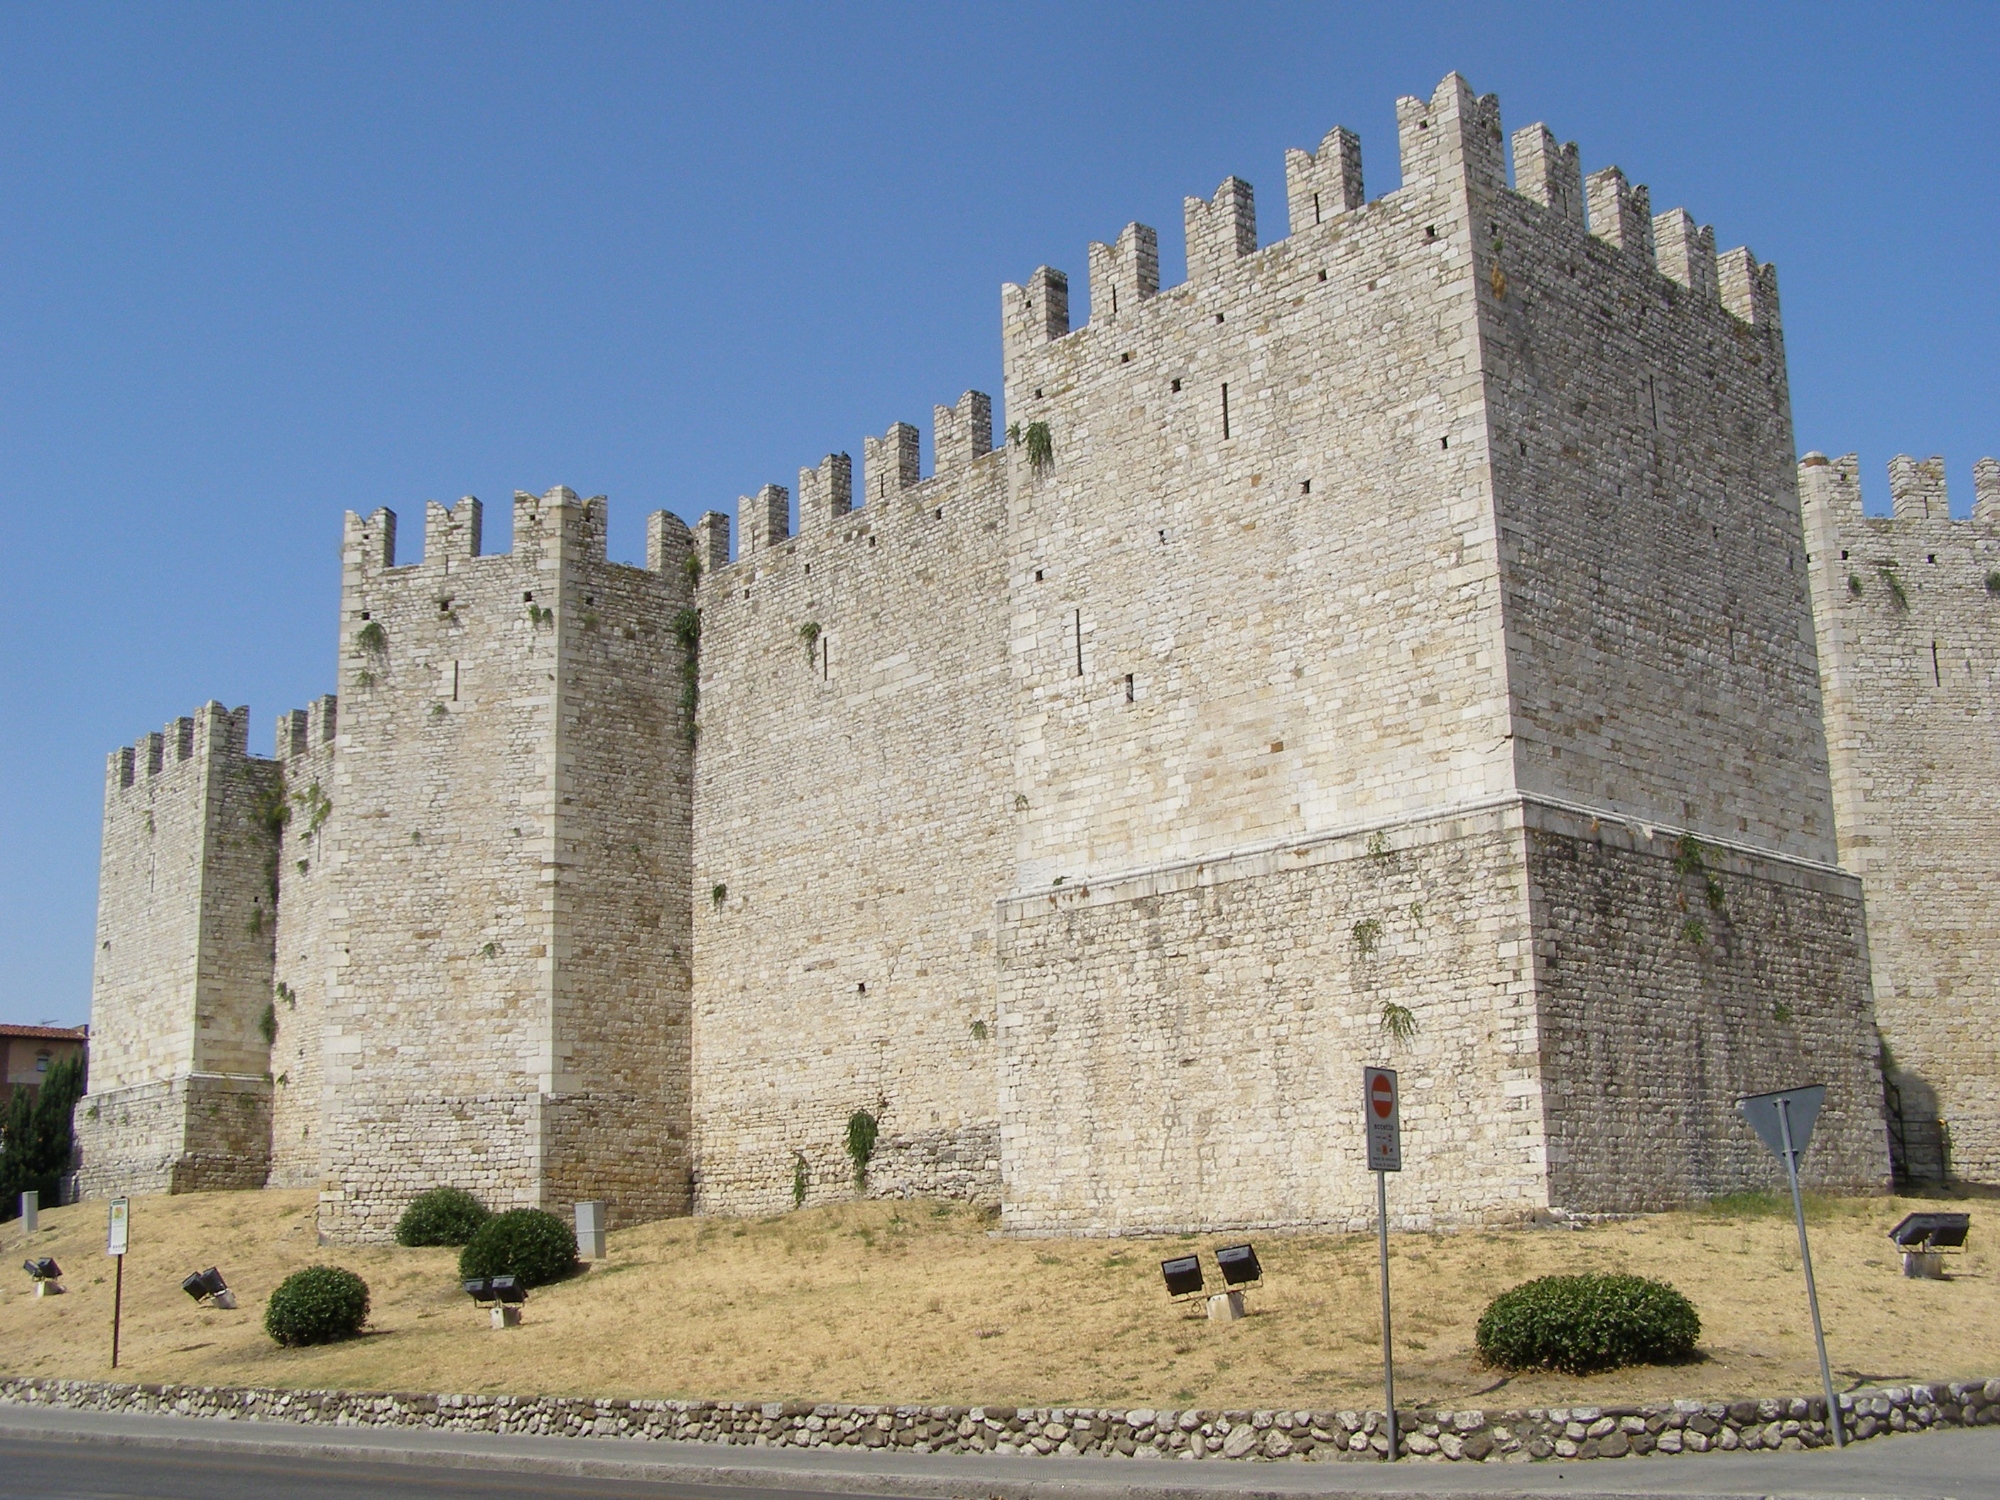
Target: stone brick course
1435	1435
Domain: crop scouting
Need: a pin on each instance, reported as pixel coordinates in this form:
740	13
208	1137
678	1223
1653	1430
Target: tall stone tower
180	1092
1908	613
504	966
1413	664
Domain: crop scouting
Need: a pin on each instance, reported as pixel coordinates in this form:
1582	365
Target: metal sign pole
117	1307
1805	1258
1388	1355
117	1240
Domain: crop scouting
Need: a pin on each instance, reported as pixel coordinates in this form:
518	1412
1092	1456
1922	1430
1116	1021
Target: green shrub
442	1216
525	1242
317	1306
1580	1324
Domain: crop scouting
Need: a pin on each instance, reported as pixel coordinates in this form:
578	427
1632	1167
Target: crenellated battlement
309	730
1830	494
212	733
1320	184
891	465
544	524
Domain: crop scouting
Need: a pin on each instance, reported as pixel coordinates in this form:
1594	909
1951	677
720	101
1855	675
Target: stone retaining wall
1574	1432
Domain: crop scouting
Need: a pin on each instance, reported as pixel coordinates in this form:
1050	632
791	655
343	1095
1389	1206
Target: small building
28	1052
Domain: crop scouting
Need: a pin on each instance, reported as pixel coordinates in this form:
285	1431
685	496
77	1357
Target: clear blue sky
265	263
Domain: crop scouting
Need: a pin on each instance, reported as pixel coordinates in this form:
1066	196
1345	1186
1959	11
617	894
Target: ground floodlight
1238	1264
210	1287
478	1288
1183	1276
1932	1232
508	1289
44	1269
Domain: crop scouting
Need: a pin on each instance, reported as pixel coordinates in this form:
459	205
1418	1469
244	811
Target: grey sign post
1784	1121
1382	1124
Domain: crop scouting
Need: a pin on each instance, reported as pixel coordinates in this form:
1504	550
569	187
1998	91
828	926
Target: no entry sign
1382	1112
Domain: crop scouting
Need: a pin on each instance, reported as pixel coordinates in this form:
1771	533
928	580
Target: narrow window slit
1225	408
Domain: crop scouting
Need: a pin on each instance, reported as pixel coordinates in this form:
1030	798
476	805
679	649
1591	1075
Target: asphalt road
104	1471
71	1455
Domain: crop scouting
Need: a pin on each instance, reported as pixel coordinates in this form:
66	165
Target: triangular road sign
1802	1108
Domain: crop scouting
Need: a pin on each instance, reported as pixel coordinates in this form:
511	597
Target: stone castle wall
1908	615
1659	641
1405	653
854	821
1184	1048
304	959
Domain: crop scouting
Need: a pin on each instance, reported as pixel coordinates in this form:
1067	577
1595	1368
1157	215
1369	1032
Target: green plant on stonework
979	1032
364	679
1690	858
1887	572
1993	583
1378	845
1781	1012
441	1216
270	808
862	1129
591	619
438	710
687	633
717	894
1367	936
809	638
489	949
798	1179
1695	931
692	567
530	1243
287	994
255	926
1399	1022
1039	446
372	638
1854	584
36	1139
267	1025
318	1305
1582	1324
313	803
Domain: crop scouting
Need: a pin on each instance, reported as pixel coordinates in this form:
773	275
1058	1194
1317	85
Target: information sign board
121	1227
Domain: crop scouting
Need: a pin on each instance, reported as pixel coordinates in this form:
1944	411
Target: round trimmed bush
526	1242
317	1306
1581	1324
442	1216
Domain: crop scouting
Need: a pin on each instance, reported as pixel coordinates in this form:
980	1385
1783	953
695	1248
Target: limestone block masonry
1907	609
1402	642
180	1095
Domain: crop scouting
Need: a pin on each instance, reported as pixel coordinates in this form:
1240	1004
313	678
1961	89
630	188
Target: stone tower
502	975
180	1092
1413	663
1908	614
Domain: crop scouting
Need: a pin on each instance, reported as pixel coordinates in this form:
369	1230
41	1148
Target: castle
1410	641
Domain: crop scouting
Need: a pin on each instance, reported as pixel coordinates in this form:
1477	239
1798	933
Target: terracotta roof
51	1033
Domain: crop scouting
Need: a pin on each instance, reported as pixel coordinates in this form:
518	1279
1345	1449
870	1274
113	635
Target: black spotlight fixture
502	1294
208	1286
45	1273
1239	1267
1183	1277
1924	1237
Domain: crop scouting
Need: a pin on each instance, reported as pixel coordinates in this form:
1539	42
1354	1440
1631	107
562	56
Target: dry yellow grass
920	1302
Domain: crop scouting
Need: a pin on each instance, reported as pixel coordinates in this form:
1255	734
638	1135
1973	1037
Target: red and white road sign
1383	1119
